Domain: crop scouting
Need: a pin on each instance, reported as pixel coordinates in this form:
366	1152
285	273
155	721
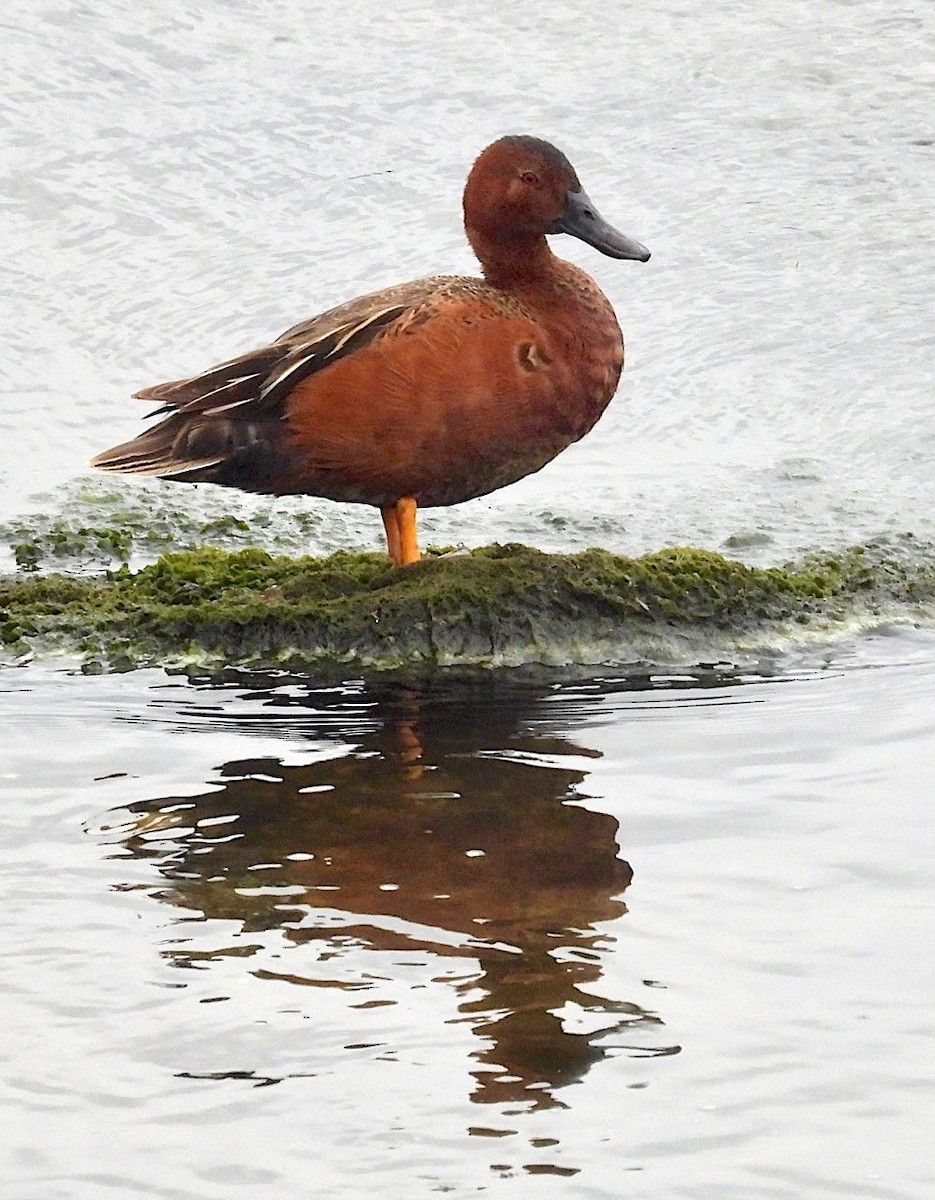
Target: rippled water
651	935
431	937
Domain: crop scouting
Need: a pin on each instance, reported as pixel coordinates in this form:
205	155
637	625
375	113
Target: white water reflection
290	941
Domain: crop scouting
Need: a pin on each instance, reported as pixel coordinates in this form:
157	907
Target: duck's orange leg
391	529
408	541
399	522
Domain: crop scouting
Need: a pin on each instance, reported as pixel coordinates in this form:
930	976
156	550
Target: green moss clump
61	541
497	604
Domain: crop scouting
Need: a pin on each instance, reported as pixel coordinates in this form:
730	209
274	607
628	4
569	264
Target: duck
422	394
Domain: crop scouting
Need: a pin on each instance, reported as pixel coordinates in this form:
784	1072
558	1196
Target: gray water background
178	185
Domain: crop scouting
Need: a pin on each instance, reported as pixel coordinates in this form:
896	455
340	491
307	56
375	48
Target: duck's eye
531	178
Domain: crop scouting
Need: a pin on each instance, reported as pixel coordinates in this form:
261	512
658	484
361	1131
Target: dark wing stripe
228	395
300	360
243	388
314	353
180	392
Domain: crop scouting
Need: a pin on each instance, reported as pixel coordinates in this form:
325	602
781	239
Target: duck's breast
465	394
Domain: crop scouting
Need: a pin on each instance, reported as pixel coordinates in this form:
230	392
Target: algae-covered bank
497	606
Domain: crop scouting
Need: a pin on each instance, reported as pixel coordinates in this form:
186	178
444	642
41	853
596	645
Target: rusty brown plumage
427	393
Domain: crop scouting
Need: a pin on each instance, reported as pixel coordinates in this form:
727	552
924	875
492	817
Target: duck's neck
510	263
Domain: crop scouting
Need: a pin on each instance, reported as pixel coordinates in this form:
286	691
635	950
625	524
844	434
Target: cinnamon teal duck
423	394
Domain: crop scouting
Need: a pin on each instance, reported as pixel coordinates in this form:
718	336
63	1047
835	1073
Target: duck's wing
219	413
265	375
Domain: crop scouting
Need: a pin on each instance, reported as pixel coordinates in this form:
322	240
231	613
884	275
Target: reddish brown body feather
463	399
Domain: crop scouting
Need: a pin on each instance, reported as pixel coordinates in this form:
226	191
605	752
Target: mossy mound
501	605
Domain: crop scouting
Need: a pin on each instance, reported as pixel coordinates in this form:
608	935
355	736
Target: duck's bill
582	220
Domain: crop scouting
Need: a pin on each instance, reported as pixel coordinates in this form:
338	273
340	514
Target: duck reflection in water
449	814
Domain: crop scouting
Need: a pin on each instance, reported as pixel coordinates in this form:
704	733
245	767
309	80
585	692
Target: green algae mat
497	606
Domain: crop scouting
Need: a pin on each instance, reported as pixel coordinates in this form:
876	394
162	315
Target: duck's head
521	188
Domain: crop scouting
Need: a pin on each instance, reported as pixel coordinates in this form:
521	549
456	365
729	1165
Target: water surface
458	933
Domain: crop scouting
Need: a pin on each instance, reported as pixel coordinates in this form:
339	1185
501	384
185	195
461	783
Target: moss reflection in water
448	828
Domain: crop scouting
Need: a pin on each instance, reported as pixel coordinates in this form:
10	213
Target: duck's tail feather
193	451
